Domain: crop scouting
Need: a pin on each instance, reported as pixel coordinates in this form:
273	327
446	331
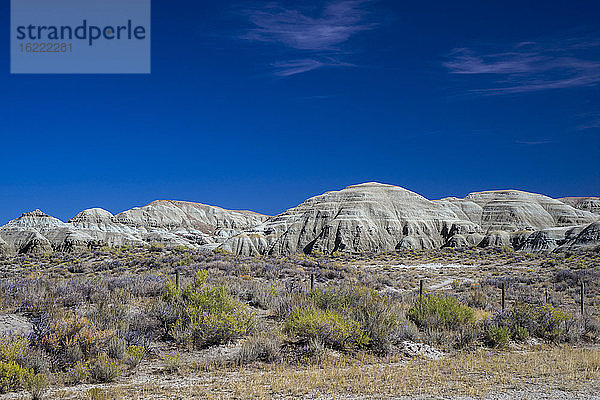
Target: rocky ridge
378	217
172	223
591	204
370	217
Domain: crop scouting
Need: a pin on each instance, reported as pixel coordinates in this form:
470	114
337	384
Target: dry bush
262	347
105	369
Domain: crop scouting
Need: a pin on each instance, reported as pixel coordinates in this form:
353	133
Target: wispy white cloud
293	67
531	66
319	37
293	28
590	120
534	142
318	97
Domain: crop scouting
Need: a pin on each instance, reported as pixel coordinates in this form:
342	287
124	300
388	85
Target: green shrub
330	327
134	355
105	369
206	315
478	299
111	313
172	362
466	337
337	300
78	374
157	247
17	349
36	385
381	320
115	348
380	317
284	303
550	322
542	321
437	312
71	339
12	376
497	336
520	333
13	348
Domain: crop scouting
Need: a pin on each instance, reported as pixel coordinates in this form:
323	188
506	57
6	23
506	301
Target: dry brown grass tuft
473	374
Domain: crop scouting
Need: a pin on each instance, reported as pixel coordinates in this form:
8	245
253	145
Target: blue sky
259	105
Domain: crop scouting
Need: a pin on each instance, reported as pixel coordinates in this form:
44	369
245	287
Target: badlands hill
166	222
378	217
368	217
591	204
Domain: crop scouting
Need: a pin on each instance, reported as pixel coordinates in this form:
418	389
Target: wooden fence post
503	296
177	279
312	282
421	289
582	298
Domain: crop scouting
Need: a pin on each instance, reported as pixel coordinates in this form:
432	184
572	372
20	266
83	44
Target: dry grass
474	374
467	373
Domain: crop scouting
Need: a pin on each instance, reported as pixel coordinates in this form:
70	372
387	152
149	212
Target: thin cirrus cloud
534	142
319	41
531	66
293	67
591	120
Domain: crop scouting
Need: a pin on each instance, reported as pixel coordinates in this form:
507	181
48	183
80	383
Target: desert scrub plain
154	322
